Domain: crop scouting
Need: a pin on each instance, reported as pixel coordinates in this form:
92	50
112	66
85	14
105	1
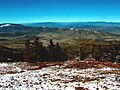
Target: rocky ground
69	75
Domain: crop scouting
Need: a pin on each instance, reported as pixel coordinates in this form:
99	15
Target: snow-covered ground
14	77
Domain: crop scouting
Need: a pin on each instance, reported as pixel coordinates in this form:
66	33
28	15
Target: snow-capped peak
5	25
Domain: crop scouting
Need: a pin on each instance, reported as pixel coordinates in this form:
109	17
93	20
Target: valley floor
69	75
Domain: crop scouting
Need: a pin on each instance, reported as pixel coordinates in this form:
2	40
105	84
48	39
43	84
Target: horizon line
59	22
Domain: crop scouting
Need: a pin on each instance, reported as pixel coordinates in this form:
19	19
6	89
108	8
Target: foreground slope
60	76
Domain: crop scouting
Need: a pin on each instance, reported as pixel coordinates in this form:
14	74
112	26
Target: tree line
37	52
109	52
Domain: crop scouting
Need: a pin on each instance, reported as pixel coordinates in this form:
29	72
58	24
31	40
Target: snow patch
3	64
5	25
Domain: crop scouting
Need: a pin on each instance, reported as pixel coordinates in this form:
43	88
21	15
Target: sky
29	11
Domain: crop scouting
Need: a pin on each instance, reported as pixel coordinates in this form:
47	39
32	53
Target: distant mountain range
96	29
112	27
72	24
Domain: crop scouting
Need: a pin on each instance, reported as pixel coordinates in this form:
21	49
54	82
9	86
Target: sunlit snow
57	78
5	25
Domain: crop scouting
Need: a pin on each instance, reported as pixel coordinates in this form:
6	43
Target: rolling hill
84	31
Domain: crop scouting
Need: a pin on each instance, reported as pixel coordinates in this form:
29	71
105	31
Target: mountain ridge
72	24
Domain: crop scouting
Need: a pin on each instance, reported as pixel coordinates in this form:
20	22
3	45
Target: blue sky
26	11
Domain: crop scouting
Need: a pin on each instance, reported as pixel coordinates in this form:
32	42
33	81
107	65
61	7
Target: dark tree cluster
37	52
110	52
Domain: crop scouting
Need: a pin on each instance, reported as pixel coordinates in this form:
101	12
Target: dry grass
110	72
40	65
73	64
67	64
91	64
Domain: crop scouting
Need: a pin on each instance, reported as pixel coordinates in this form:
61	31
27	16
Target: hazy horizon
58	22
